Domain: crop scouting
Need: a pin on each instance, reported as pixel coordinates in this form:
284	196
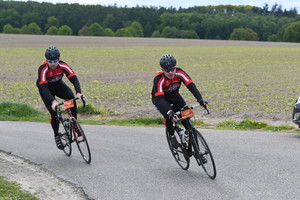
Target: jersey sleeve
42	71
67	69
158	85
184	76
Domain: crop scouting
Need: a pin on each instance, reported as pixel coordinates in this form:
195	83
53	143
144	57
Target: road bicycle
72	131
191	143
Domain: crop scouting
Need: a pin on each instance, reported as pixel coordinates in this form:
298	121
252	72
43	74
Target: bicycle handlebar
195	106
74	99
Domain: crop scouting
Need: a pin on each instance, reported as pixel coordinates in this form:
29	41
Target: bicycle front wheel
65	140
203	154
179	153
81	141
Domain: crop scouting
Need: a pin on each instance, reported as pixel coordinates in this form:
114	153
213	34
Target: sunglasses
52	61
170	69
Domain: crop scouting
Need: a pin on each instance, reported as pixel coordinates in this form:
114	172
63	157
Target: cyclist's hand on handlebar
81	96
54	105
172	116
204	104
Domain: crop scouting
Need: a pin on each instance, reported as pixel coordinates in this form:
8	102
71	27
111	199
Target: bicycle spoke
81	141
179	155
203	155
65	140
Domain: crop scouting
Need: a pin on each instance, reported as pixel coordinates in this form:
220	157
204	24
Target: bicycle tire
65	140
179	153
201	148
81	141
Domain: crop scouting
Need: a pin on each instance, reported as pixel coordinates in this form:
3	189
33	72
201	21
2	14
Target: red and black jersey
47	75
169	87
165	90
49	79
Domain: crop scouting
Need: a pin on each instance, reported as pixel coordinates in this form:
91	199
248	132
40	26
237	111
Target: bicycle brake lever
206	111
83	99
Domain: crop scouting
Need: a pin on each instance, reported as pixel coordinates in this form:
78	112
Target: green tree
84	31
189	34
292	32
64	30
53	30
96	29
108	32
136	29
123	32
30	17
8	29
243	34
52	21
170	32
32	28
156	34
10	16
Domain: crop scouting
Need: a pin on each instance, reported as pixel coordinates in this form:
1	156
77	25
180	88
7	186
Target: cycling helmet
52	53
167	61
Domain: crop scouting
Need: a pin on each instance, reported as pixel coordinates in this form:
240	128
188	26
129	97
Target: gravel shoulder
37	180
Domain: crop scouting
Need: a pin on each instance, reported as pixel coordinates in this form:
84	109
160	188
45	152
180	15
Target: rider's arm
45	92
189	83
74	80
194	90
70	75
158	95
162	105
42	84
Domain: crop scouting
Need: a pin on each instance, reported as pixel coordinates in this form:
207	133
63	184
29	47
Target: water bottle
186	137
181	134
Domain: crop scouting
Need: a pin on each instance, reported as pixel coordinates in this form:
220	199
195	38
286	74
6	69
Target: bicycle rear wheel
65	140
81	141
201	150
179	153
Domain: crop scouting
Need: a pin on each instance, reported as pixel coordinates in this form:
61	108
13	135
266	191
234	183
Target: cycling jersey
166	90
49	79
50	84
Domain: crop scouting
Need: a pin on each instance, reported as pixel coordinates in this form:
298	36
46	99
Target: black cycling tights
63	92
177	103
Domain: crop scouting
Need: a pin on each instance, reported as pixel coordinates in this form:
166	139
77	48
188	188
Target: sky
286	4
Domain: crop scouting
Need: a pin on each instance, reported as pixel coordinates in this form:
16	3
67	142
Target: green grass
23	112
12	190
234	79
252	125
10	111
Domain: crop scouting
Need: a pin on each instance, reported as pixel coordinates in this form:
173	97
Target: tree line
225	22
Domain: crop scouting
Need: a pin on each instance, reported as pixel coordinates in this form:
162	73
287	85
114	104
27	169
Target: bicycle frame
66	120
195	146
73	130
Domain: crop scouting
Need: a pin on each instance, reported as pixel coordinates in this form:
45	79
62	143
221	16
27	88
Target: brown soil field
11	40
25	41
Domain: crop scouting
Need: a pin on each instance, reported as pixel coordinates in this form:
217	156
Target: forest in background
223	22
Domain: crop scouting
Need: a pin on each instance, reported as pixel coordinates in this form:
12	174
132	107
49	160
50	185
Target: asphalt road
135	163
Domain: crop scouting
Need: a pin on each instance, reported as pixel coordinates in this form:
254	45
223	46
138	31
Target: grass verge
12	190
22	112
252	125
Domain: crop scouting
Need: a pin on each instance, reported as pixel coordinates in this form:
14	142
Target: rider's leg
65	92
54	123
54	119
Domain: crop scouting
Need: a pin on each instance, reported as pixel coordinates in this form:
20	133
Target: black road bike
191	143
72	131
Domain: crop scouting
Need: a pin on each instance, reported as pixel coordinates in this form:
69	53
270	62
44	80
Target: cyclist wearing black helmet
165	92
50	84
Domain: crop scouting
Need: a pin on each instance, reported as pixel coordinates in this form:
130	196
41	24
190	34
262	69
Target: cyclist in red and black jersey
165	92
50	84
